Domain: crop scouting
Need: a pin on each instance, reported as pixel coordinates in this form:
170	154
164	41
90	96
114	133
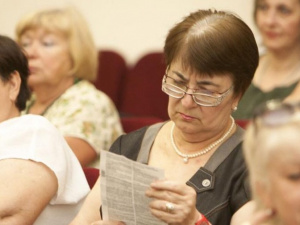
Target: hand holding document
123	184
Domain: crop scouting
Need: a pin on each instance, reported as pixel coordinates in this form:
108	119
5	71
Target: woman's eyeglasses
171	87
275	112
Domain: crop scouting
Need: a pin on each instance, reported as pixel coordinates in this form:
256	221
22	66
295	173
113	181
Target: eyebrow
203	82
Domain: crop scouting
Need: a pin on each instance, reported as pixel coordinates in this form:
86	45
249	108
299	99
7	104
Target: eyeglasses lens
274	112
277	117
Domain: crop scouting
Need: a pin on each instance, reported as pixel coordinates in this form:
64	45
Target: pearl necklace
204	151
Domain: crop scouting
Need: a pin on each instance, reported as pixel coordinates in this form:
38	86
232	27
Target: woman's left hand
173	202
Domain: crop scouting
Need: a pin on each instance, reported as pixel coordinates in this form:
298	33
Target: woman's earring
235	108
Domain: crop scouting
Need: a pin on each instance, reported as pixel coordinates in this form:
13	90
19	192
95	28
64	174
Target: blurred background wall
130	27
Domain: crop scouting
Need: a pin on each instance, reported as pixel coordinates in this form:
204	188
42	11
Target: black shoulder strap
147	142
224	150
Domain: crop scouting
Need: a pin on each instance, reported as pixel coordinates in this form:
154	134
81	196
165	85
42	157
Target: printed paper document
123	184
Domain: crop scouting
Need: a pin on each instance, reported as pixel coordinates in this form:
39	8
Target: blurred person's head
272	152
58	44
213	53
14	91
278	23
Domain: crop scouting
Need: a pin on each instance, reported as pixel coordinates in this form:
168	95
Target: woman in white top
42	182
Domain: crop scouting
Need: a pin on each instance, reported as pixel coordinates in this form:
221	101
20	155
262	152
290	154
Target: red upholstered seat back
91	174
111	74
142	94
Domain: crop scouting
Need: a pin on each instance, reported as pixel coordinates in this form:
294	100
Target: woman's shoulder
152	130
27	119
32	126
33	117
133	135
129	144
36	121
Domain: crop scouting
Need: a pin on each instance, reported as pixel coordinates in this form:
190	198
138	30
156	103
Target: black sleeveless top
221	185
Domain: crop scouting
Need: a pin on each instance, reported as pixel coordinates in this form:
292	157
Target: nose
31	50
188	100
270	17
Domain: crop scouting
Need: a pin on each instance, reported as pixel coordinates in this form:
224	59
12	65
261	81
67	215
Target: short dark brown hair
214	43
13	59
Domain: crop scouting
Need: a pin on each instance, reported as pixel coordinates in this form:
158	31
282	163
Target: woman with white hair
272	153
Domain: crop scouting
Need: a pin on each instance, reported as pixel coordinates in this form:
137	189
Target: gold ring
170	207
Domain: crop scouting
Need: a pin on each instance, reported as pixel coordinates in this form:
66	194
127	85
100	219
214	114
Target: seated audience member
62	61
211	57
273	156
278	73
42	182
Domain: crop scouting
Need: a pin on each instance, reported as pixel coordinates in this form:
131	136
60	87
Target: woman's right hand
173	202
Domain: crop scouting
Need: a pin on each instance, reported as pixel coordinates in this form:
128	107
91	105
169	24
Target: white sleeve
35	138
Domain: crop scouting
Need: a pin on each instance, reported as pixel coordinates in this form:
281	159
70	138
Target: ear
235	102
14	85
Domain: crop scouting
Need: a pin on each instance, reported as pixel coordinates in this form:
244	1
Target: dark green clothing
254	96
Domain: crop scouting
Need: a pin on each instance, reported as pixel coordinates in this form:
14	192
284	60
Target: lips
186	117
271	35
32	69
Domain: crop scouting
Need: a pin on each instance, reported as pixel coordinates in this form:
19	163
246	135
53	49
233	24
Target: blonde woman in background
272	153
62	61
278	73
